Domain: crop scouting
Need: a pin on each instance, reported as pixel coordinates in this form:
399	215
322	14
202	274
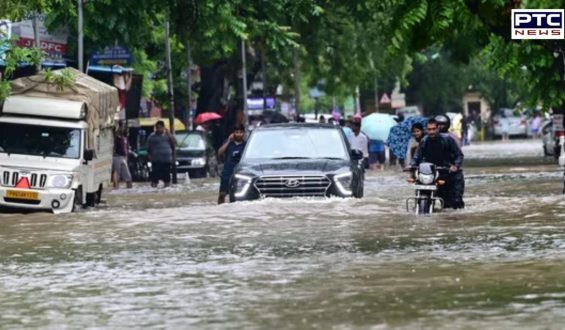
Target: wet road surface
171	258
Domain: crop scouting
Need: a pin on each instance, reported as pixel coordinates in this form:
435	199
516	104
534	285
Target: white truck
56	143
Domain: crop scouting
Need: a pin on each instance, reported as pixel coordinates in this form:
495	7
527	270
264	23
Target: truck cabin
46	127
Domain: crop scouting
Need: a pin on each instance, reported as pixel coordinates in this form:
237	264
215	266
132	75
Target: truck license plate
20	194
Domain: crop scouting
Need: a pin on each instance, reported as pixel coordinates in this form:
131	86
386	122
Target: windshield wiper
333	158
292	158
6	150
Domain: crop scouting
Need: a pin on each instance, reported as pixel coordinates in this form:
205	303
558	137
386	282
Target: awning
149	122
108	69
45	64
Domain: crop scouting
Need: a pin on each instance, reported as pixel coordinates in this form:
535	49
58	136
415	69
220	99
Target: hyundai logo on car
292	183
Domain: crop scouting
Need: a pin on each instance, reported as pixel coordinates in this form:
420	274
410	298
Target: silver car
548	138
505	121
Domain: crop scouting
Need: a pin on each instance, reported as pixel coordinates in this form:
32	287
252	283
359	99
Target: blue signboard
4	37
112	56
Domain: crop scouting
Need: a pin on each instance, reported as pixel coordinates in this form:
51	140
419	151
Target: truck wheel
77	202
92	199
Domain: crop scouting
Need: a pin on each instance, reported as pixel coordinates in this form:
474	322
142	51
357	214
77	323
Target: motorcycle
138	166
429	185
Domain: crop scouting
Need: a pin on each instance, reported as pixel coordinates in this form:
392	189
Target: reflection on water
172	258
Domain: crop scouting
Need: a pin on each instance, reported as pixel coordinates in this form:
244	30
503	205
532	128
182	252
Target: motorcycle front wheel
424	206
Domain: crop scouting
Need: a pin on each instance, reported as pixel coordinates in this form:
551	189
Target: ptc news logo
537	24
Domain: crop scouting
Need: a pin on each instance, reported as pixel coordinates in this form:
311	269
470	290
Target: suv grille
11	179
291	186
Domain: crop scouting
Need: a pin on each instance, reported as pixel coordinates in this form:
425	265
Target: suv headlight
242	184
198	162
426	178
343	182
60	181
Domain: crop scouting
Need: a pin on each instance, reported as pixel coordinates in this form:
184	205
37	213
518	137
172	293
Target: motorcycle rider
441	150
444	125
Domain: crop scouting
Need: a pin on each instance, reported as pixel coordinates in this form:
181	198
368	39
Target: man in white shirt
359	141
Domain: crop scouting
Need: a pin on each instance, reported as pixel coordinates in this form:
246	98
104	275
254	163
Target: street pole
189	77
36	37
80	37
296	83
264	71
376	95
357	101
244	77
171	97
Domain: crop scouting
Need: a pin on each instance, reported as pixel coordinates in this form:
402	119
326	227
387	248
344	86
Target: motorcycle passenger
441	150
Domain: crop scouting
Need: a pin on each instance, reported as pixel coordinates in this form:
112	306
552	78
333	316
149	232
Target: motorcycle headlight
60	181
343	182
426	178
242	184
198	162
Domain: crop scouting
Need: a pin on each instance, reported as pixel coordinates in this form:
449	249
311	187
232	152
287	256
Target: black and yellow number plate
20	194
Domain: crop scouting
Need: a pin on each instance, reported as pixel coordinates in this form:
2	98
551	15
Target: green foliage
4	90
17	55
14	56
472	27
147	67
61	78
341	44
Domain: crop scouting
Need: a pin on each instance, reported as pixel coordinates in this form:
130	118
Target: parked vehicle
409	111
195	154
138	165
430	186
507	121
549	140
295	160
56	143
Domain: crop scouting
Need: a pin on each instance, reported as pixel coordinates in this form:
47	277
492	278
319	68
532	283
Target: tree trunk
211	88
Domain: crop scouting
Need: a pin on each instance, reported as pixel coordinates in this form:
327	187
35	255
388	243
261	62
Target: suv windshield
190	141
296	144
45	141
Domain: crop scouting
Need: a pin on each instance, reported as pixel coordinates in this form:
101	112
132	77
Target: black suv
195	154
291	160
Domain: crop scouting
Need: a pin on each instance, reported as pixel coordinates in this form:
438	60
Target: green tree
469	27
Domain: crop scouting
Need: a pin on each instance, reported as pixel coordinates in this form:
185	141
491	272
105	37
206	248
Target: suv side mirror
236	157
88	155
356	154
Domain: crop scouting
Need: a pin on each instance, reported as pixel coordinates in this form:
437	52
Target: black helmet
444	122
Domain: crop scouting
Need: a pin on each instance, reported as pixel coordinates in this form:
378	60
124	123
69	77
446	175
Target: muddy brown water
171	258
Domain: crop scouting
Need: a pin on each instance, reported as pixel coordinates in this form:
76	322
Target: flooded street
173	259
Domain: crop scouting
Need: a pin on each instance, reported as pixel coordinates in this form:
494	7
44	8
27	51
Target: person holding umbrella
377	128
202	120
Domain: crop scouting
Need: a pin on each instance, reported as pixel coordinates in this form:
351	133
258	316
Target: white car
506	121
548	138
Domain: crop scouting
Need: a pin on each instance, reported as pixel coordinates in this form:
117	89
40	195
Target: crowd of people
428	140
410	142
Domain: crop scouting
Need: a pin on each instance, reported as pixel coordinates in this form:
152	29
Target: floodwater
171	258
